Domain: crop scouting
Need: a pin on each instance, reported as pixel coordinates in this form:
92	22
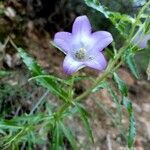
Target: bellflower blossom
82	47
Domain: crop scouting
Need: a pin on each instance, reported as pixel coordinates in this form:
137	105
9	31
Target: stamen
80	54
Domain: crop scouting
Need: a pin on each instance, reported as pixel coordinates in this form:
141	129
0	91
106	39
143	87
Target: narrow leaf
121	85
132	124
132	66
50	77
56	137
67	132
113	95
100	86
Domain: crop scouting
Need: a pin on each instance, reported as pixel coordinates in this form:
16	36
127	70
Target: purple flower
83	48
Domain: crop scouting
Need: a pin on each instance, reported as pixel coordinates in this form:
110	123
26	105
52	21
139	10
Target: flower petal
100	40
70	65
63	41
81	26
97	62
144	41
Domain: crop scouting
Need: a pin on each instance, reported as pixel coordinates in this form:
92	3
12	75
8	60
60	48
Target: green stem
138	18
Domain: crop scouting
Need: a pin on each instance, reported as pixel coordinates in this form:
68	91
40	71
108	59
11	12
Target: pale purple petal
83	48
144	42
63	41
141	40
97	62
100	40
81	26
70	65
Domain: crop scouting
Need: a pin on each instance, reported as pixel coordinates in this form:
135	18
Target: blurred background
32	25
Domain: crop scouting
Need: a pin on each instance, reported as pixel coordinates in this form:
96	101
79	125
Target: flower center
80	54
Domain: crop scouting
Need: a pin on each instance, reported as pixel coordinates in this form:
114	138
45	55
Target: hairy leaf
132	66
121	85
132	124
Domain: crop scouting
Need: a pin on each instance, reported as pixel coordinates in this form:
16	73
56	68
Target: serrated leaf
122	22
49	83
95	4
121	85
132	130
106	85
127	103
132	124
68	134
132	66
113	95
84	116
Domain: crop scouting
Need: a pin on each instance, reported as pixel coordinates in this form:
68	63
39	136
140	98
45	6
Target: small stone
10	12
146	107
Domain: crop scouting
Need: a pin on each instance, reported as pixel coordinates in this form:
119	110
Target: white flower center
81	54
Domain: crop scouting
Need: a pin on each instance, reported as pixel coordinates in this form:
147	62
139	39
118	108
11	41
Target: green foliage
132	65
121	85
132	124
100	86
51	82
95	4
68	133
10	95
20	129
4	73
83	114
125	102
56	137
122	22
